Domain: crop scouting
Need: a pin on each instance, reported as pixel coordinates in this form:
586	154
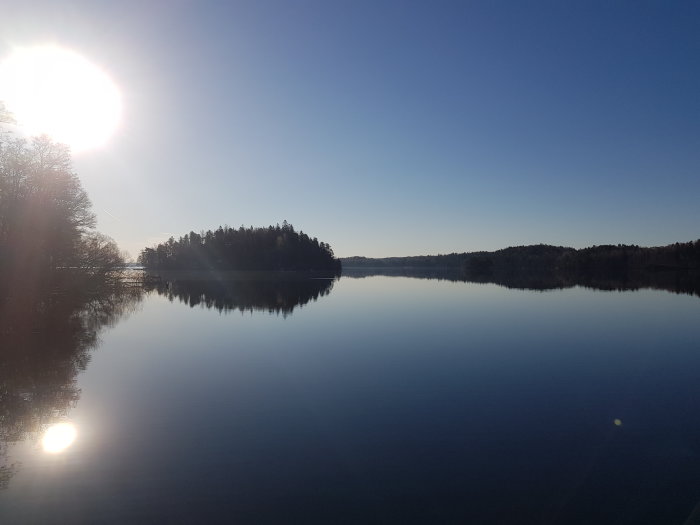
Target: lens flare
59	437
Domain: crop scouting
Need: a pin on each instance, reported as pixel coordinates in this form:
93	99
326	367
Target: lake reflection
266	293
389	400
46	340
680	282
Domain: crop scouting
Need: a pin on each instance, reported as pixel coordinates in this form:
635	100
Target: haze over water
368	400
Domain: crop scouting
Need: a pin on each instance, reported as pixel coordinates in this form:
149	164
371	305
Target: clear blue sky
392	128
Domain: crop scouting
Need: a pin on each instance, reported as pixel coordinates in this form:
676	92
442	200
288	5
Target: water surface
380	399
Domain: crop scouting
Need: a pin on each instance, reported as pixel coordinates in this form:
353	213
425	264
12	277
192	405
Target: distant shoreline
237	275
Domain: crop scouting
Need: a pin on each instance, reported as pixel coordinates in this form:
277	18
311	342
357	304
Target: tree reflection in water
679	282
46	339
273	294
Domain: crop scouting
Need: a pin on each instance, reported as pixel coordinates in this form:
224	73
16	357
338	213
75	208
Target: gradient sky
391	128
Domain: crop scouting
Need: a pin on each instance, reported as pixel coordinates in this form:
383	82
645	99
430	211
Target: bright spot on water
59	437
618	422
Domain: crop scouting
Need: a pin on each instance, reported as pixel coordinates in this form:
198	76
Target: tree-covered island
275	248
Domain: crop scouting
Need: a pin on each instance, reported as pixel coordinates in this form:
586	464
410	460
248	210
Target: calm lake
368	399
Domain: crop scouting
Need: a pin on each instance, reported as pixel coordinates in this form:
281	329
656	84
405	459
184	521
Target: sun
55	91
58	437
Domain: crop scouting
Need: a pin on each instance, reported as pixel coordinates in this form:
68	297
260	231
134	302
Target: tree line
604	259
47	228
675	267
275	248
451	260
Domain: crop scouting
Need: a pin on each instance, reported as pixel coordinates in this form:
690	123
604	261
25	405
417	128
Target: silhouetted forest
45	339
452	260
271	295
455	274
607	260
674	268
46	222
275	248
603	260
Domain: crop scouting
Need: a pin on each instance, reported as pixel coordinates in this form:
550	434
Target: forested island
275	248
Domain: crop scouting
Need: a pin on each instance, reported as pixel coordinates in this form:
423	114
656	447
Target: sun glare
55	91
58	437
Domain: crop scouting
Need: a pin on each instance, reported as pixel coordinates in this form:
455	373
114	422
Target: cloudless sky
391	128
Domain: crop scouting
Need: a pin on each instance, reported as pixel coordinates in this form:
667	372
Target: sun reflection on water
59	437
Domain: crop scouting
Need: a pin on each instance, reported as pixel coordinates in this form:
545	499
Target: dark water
373	400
